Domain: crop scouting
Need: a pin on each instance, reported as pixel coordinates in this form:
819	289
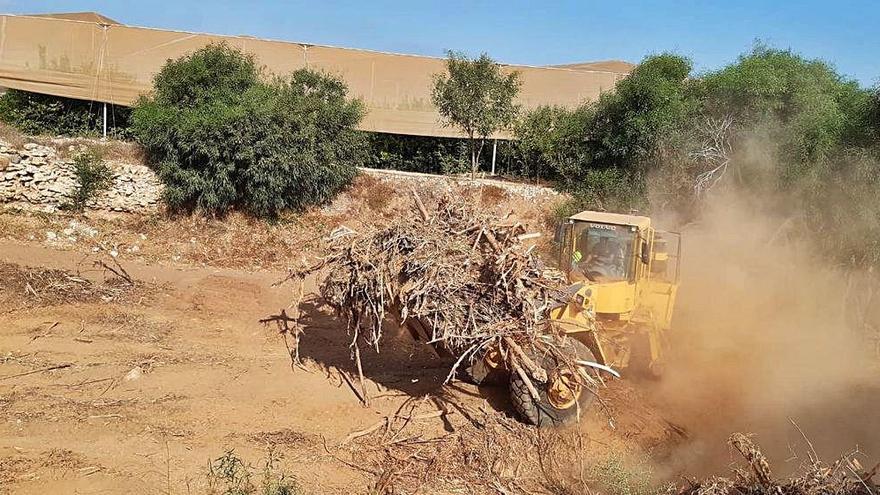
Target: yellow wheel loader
624	277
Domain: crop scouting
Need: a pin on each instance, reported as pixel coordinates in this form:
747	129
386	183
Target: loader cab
630	267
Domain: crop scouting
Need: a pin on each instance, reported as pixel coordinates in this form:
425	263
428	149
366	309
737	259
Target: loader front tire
547	412
481	374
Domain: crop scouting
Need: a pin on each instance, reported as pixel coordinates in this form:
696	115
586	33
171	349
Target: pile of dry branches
846	476
459	278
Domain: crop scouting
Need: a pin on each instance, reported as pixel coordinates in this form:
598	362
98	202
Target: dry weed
12	136
35	287
491	196
376	193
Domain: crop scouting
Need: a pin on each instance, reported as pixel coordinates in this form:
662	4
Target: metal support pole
105	120
494	152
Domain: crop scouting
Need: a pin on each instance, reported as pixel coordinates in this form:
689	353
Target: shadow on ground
401	363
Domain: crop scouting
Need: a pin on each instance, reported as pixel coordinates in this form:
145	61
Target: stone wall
37	177
416	179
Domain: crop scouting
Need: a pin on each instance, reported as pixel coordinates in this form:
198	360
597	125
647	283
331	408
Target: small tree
223	136
476	96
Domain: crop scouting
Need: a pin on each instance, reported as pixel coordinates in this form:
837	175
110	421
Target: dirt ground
138	392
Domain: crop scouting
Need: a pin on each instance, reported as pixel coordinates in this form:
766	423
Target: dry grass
12	136
236	241
376	193
112	149
35	287
491	196
121	324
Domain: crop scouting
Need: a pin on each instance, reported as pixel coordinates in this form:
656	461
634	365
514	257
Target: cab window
664	266
602	252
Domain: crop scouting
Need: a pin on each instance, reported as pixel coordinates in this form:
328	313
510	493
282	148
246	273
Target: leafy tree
476	96
602	151
813	109
646	110
222	136
539	136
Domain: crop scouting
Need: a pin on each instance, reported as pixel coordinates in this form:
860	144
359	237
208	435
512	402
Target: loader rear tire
543	412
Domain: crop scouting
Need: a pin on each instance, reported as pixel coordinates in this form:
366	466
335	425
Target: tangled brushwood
472	455
459	279
846	476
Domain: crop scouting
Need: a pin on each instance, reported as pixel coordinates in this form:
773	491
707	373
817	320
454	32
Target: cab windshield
602	252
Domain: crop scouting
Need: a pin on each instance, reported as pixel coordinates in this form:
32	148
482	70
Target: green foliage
215	75
417	153
610	189
92	177
840	201
616	476
540	136
35	113
797	129
815	109
647	109
601	152
230	475
476	96
220	136
873	117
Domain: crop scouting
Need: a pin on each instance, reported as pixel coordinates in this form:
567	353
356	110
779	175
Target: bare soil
137	389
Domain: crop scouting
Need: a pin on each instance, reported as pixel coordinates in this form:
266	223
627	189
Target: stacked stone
35	176
134	188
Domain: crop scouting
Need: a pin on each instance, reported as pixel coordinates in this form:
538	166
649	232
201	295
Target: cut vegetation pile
846	476
459	279
45	287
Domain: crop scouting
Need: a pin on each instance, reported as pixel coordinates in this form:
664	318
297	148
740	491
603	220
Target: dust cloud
760	339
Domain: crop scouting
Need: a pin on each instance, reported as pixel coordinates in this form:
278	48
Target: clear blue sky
845	33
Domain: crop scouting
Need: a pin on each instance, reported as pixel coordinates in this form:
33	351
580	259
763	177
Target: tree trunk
473	156
479	152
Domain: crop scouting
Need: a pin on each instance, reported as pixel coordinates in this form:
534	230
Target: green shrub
601	151
222	136
92	176
35	113
430	155
609	189
230	475
540	146
815	110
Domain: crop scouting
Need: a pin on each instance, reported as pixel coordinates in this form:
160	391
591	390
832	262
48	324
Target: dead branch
119	270
48	368
714	153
